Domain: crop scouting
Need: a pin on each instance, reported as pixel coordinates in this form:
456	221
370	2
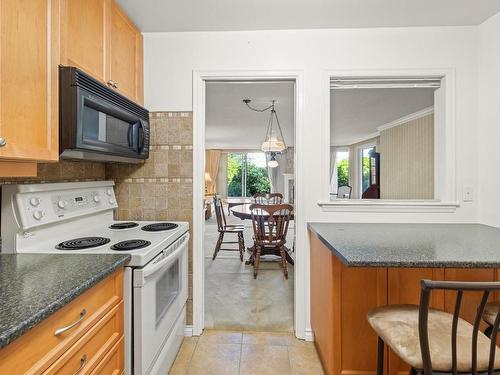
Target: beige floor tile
215	359
184	356
304	361
264	360
268	338
221	337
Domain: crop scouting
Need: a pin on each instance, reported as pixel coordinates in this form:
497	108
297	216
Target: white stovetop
140	257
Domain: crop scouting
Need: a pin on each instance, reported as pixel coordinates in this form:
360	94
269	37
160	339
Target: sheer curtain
212	158
334	180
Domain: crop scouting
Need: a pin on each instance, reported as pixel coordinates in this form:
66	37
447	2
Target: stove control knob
97	199
38	215
111	201
109	191
62	204
34	201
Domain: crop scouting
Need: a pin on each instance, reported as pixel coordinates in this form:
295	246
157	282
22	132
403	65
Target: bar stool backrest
427	286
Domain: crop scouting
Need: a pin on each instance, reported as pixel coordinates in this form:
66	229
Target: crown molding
407	118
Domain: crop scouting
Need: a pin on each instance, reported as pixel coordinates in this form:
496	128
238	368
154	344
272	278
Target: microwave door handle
140	137
133	136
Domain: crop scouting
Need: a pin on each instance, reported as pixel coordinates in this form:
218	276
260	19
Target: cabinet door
125	54
29	55
83	35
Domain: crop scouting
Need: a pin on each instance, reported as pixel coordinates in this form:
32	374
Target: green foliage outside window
257	179
343	172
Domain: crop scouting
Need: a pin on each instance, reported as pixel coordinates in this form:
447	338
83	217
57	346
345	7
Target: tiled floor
246	353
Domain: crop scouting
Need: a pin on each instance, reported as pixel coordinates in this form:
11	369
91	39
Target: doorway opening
245	290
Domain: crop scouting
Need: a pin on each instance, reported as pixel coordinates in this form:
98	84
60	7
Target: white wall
170	59
489	121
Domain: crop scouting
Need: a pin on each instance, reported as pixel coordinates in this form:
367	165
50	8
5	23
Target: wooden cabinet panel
366	289
29	55
125	54
323	302
83	35
93	346
37	349
404	288
113	362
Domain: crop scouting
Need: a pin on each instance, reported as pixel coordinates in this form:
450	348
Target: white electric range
77	218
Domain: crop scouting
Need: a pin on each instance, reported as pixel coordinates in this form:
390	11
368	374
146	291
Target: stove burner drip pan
157	227
127	225
130	245
82	243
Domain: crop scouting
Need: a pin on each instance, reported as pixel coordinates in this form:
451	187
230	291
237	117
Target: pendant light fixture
274	142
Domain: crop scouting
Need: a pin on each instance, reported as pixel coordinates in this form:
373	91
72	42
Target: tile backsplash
162	187
158	189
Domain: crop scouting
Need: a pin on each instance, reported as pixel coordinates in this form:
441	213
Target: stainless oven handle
155	267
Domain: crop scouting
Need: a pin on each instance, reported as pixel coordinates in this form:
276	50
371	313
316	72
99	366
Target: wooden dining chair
434	341
271	198
274	198
270	227
223	228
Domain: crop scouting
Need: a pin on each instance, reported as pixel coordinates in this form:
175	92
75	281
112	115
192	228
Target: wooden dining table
244	213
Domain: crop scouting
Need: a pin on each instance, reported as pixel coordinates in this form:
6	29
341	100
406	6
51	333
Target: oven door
105	127
160	293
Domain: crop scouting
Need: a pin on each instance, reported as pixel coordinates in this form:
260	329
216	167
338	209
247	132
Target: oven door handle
157	265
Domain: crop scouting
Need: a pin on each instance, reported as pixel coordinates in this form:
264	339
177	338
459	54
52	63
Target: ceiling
356	113
231	125
228	15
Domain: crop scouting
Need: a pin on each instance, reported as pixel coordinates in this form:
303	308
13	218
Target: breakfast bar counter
358	266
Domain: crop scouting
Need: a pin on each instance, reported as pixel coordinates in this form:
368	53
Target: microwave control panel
44	207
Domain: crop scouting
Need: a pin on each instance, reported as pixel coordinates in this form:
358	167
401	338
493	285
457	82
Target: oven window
99	126
167	289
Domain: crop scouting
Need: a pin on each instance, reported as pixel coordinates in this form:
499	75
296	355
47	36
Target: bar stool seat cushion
490	312
397	325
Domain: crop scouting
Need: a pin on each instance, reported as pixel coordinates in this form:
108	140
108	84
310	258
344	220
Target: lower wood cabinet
95	342
342	296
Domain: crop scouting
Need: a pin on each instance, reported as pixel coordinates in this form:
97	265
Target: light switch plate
468	194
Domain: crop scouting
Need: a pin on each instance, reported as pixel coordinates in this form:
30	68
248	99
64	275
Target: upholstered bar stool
431	341
490	312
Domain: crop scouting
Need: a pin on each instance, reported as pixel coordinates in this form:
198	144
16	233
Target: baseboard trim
188	330
309	334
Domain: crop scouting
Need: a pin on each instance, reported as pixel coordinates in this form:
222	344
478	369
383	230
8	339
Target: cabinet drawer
87	352
113	362
37	349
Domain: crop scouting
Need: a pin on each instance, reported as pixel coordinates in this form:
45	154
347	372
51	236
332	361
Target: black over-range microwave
96	123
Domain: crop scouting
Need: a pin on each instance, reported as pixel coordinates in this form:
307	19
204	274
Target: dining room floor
246	353
234	300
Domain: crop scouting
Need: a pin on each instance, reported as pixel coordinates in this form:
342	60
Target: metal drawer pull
113	84
67	328
83	362
3	142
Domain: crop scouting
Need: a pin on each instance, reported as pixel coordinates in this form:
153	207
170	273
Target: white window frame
445	190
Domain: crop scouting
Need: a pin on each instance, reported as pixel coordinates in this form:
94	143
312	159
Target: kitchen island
356	267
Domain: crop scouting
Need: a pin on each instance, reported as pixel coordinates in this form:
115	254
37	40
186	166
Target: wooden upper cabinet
83	35
29	55
125	55
97	37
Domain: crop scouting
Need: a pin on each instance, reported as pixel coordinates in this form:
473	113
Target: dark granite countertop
33	286
412	245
